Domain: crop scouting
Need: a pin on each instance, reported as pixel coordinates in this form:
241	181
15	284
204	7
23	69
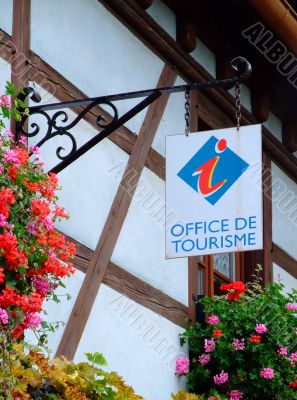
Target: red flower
12	172
2	275
255	339
217	333
23	155
40	208
235	289
293	385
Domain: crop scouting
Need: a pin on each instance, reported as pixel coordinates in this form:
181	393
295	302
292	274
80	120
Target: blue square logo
213	170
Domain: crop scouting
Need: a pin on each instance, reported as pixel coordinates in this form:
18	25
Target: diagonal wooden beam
134	288
115	220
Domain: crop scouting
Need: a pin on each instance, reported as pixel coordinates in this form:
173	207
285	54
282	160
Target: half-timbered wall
143	302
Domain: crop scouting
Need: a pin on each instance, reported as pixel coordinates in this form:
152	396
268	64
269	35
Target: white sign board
214	192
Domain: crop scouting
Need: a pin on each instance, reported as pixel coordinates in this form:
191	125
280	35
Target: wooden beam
261	102
145	3
21	45
21	41
267	220
290	135
284	260
186	32
115	220
136	289
263	257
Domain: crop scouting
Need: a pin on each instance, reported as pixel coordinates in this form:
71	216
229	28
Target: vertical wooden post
21	44
115	220
263	257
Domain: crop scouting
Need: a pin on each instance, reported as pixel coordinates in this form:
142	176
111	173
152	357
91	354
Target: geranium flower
182	366
236	289
213	320
221	378
260	328
267	373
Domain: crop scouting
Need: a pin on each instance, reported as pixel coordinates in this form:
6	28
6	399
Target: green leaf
96	358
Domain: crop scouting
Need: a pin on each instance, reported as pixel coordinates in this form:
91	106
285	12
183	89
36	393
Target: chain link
237	105
187	112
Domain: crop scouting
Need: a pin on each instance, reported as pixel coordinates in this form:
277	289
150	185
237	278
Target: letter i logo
213	169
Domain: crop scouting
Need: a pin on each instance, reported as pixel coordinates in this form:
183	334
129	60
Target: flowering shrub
36	377
34	257
248	347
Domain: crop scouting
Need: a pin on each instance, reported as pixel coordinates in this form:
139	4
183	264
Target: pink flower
33	320
4	101
282	351
238	344
182	366
32	229
293	357
11	156
23	140
3	220
9	133
267	373
204	359
213	320
209	345
236	395
3	316
260	328
1	167
41	286
291	306
221	378
48	223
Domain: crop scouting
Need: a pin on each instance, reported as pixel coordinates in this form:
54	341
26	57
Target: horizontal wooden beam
134	288
284	260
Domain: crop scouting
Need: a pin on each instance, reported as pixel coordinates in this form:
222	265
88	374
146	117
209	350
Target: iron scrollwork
56	124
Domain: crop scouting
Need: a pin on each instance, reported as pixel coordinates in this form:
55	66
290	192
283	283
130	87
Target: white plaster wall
6	16
284	211
280	275
139	344
141	245
5	75
164	16
92	49
59	311
205	57
88	187
274	125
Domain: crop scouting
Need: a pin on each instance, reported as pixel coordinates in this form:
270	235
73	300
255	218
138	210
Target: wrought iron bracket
57	124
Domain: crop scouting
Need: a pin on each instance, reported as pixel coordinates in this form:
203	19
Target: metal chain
237	105
187	112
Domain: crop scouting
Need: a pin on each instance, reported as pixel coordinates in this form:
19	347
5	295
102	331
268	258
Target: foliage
34	257
37	377
247	350
183	395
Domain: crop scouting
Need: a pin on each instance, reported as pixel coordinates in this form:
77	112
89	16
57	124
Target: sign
214	192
